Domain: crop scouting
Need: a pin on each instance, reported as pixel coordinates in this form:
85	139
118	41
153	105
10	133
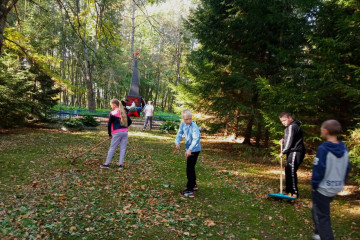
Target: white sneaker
316	236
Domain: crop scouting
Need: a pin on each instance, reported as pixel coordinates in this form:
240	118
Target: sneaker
316	236
194	189
104	166
120	167
187	193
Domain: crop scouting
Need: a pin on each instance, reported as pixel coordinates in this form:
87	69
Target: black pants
321	215
293	161
190	170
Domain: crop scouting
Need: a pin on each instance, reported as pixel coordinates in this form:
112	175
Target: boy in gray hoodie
330	170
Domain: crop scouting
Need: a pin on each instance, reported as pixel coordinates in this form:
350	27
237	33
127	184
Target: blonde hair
186	112
123	114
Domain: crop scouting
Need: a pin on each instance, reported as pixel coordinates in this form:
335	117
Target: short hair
186	112
150	102
333	127
285	114
115	101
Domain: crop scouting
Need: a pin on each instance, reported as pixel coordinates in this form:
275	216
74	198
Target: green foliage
164	116
26	92
89	121
73	123
259	58
353	144
169	126
15	90
242	41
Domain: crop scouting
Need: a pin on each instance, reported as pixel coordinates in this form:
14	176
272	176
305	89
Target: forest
238	64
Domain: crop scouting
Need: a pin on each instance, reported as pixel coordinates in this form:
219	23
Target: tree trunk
266	138
133	34
5	8
157	85
258	134
248	131
249	126
88	79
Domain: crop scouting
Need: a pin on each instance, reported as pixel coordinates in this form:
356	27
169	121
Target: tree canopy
239	63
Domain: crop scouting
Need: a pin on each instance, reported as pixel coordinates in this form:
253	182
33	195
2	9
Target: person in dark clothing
330	170
124	103
294	149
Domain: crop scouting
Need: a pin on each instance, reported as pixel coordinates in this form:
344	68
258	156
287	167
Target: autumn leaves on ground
44	196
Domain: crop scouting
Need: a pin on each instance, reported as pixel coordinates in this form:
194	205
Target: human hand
188	153
281	142
280	155
177	146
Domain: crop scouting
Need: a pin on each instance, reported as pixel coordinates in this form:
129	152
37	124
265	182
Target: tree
240	43
336	61
5	8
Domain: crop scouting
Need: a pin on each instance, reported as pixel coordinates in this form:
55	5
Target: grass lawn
43	196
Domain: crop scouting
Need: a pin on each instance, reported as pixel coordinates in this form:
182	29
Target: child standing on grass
118	132
190	130
330	170
294	149
149	114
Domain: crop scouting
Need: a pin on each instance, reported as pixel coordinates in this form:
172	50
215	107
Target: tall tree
241	41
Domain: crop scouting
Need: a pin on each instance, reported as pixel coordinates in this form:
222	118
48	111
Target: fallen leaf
209	223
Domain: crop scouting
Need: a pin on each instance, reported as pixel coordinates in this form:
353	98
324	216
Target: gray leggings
117	138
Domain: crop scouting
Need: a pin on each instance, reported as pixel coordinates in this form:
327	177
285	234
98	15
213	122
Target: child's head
114	103
330	128
186	116
150	102
286	118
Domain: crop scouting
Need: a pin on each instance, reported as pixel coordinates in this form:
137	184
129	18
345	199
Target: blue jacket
192	136
331	167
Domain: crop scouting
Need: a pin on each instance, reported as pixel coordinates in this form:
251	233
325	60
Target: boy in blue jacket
191	131
330	170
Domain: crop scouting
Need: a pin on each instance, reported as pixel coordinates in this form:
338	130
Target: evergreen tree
336	61
240	43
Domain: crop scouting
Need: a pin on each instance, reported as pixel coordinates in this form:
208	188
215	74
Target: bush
89	121
73	123
353	144
169	126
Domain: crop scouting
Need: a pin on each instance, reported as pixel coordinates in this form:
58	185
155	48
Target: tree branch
72	25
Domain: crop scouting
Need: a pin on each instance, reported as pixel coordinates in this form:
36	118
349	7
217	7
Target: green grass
43	196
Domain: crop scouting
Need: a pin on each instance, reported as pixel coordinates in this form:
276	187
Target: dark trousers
321	215
190	170
148	119
293	161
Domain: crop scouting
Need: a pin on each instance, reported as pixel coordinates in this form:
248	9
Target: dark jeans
293	161
146	121
321	215
190	170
